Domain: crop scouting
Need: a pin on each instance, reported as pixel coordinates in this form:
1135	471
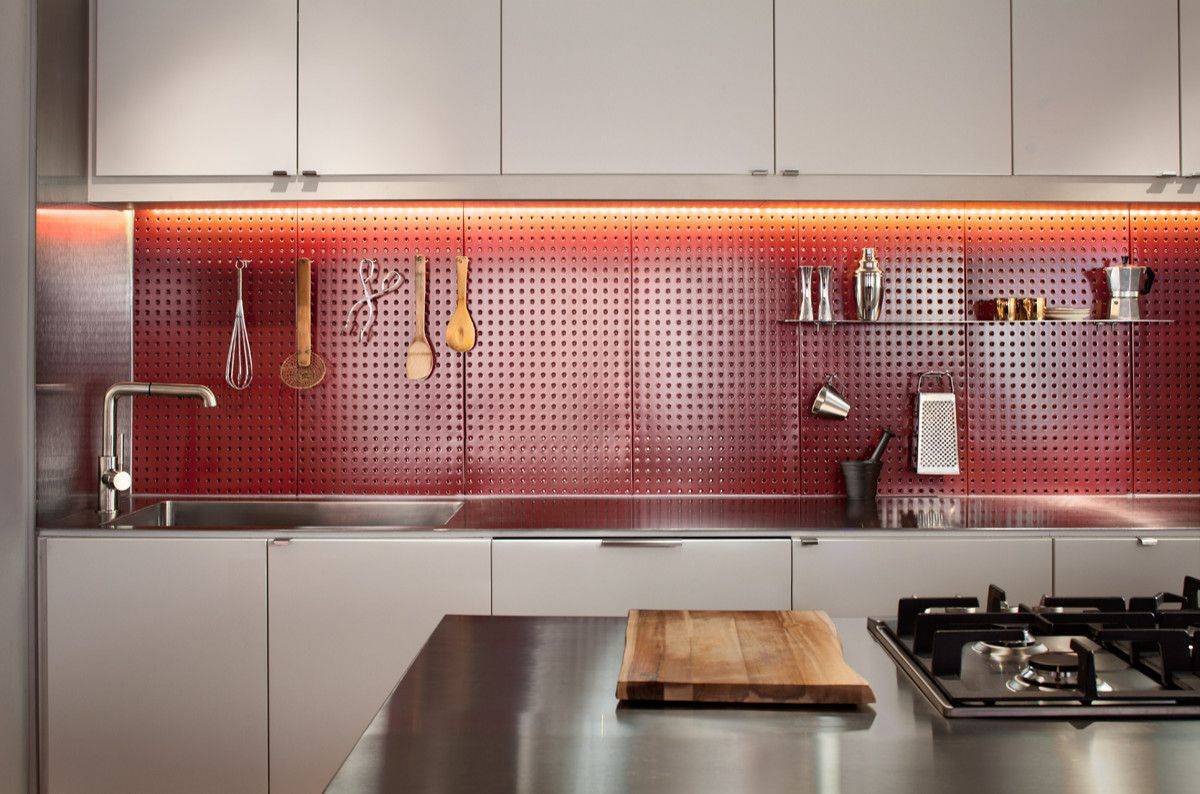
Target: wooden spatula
419	362
460	331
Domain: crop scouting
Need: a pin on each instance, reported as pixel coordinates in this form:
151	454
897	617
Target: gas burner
1062	656
1051	671
1010	651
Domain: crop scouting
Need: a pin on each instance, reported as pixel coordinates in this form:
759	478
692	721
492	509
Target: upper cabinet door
637	86
400	86
893	86
1189	76
195	89
1095	87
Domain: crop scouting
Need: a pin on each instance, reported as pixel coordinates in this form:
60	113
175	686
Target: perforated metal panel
920	250
1166	409
1168	241
715	409
1053	251
366	429
1166	364
1049	408
548	385
184	293
878	366
635	349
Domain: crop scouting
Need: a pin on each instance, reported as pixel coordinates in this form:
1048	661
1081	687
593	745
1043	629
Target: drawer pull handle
649	544
810	541
1147	541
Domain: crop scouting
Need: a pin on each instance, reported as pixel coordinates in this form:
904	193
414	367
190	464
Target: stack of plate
1073	313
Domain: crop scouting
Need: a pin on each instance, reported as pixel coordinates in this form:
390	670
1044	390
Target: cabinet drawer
1123	566
610	577
861	577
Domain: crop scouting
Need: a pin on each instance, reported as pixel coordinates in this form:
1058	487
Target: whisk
239	364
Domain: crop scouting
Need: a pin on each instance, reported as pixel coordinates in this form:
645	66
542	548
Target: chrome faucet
114	479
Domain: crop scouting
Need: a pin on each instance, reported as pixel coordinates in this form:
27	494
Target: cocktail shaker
868	286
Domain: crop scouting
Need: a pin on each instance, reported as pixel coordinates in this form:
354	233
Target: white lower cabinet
347	617
154	652
153	665
1129	566
610	577
864	577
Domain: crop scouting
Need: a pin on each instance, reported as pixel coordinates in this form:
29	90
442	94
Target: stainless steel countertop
552	516
527	704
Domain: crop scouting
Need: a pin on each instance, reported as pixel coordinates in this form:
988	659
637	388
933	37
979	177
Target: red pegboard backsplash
637	349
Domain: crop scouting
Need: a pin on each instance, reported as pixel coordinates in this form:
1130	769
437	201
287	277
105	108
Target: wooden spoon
419	362
460	332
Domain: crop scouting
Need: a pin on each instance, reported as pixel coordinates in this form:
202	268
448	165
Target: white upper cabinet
1189	88
1095	87
893	86
637	86
399	86
195	89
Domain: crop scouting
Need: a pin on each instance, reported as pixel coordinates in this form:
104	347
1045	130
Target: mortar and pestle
862	476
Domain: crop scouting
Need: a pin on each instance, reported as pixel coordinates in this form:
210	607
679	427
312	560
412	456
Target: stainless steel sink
310	515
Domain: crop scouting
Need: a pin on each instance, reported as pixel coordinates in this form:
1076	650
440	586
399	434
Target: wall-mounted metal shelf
794	321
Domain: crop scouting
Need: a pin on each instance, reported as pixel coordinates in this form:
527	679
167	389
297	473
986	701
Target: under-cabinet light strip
673	210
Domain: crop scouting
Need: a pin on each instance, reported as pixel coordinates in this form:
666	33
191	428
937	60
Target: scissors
392	280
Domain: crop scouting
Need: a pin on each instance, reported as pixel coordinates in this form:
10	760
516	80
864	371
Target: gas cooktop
1064	657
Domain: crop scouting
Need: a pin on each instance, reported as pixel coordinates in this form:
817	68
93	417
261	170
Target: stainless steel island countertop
528	704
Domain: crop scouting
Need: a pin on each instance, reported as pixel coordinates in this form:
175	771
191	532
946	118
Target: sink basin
311	515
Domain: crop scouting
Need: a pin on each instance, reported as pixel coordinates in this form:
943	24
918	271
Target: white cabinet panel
400	86
1095	87
195	89
1189	86
591	577
637	86
154	659
1123	566
347	617
865	577
893	86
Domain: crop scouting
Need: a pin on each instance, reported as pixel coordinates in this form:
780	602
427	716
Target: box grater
935	429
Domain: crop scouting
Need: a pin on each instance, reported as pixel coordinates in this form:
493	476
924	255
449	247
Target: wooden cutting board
737	657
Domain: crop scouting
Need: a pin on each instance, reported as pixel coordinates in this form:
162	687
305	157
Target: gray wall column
16	393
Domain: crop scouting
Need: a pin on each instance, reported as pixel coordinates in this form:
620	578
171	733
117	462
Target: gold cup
1006	308
1031	309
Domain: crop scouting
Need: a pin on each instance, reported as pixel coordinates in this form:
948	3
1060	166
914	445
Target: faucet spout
113	477
203	393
